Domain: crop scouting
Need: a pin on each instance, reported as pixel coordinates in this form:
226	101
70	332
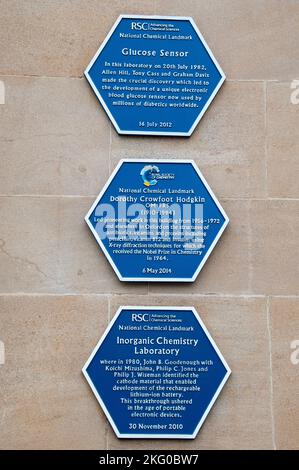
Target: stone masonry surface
57	291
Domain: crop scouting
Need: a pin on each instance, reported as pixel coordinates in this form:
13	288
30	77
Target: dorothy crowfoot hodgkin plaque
156	372
155	75
157	220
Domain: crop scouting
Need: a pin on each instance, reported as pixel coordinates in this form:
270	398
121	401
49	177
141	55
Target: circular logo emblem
149	174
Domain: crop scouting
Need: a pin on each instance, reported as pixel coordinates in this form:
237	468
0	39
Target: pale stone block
46	402
284	322
282	140
54	139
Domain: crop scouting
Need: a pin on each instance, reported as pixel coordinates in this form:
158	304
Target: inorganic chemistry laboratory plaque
156	372
155	75
157	220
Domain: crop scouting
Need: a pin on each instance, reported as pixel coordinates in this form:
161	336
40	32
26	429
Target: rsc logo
149	175
140	25
140	317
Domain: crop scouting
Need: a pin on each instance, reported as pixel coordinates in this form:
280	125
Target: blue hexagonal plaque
157	220
155	75
156	372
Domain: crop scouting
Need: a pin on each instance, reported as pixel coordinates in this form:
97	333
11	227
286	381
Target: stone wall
57	291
